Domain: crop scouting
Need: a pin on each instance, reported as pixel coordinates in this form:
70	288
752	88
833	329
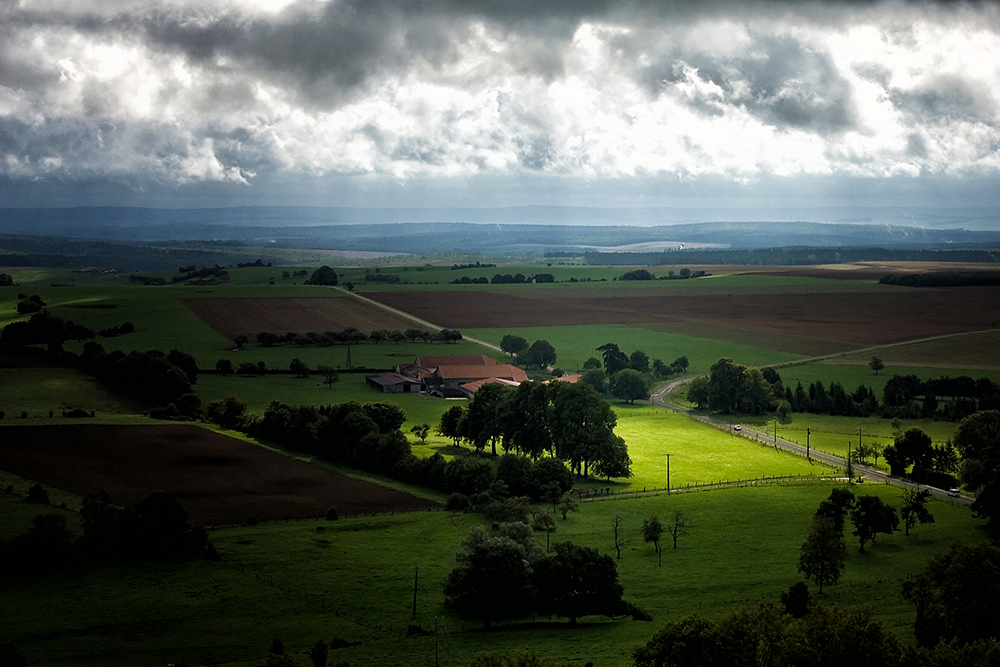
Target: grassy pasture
854	374
38	391
575	344
698	454
355	581
977	352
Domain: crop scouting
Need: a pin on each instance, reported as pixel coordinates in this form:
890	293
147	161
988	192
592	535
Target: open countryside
288	571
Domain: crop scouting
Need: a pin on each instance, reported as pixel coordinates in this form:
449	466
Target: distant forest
787	256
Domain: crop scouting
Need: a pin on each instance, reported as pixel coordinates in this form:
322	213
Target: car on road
954	493
737	427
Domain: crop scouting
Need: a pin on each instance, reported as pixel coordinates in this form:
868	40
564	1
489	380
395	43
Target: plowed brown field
862	316
250	316
217	479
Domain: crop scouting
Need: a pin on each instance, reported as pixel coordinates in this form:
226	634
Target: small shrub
38	495
331	514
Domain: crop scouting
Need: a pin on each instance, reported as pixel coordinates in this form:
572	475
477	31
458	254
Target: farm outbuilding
393	383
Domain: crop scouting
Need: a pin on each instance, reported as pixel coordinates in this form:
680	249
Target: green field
575	344
355	581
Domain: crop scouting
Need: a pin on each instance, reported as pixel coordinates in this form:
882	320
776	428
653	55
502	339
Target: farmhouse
470	388
447	374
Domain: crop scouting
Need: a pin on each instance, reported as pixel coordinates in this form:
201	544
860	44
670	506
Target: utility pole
416	573
808	433
775	432
668	473
850	466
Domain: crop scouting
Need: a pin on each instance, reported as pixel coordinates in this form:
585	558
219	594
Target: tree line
643	274
569	421
44	328
367	436
505	279
348	336
732	387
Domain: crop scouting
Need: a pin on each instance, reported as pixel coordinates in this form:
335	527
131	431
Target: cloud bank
178	93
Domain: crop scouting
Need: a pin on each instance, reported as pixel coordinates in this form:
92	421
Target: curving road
867	473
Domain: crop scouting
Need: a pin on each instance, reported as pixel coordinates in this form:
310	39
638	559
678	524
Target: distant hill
146	238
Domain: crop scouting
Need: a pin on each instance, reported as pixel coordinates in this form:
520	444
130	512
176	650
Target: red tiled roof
458	360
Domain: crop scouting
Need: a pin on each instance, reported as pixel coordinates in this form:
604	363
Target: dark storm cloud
949	97
782	81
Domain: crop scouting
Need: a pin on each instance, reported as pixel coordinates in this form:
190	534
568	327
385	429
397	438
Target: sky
383	103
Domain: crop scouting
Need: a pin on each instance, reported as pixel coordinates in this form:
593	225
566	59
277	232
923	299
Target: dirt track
217	479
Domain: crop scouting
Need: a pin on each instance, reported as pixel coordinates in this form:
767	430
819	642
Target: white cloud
220	93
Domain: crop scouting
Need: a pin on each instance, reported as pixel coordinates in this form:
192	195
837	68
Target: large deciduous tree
978	441
956	595
492	581
652	531
582	430
628	385
914	509
541	354
870	517
614	359
577	581
486	415
914	447
513	345
823	555
324	275
452	424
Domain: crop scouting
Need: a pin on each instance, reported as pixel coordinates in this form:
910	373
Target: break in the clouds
174	93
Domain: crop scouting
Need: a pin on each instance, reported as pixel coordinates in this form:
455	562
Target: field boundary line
413	318
594	495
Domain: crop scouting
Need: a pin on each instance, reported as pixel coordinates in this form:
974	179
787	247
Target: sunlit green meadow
354	579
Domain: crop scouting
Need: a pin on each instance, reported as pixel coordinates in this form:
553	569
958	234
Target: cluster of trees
477	265
368	437
539	354
7	280
44	328
732	387
506	575
643	274
154	528
159	379
825	636
905	396
294	274
349	336
823	555
932	464
627	377
569	421
190	273
29	304
978	442
505	279
324	275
